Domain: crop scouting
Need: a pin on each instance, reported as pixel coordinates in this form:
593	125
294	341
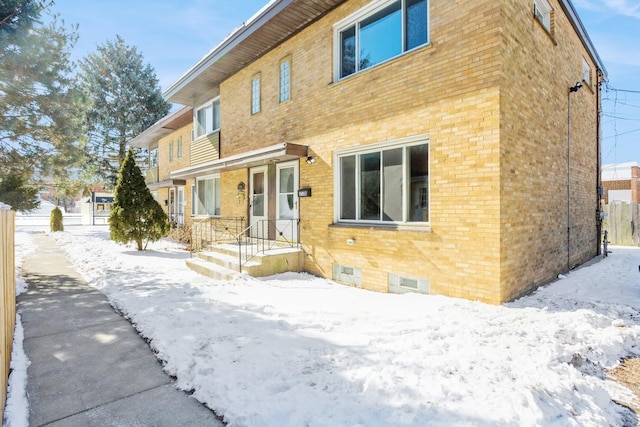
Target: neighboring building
169	145
96	208
621	183
423	145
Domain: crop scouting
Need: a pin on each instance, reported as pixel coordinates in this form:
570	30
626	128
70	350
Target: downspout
569	92
569	180
599	162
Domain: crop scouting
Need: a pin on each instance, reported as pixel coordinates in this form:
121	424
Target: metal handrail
209	231
255	238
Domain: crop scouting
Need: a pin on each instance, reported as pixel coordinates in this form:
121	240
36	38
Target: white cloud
627	8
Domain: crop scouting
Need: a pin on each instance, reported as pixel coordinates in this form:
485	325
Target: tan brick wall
497	134
447	90
538	71
166	166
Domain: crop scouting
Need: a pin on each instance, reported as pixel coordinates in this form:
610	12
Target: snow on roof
617	171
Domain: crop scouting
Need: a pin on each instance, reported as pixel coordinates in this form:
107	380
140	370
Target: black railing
176	220
267	235
211	231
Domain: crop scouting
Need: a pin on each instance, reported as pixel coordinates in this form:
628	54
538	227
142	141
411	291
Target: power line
620	134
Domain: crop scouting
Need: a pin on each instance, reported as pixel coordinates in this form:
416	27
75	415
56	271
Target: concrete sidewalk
89	367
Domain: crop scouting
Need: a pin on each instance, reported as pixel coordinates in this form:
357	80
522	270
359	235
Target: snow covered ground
296	350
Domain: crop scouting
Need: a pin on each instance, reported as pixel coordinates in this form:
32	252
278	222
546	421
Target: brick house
169	145
621	182
415	145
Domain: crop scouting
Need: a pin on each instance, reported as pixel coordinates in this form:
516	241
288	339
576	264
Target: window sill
380	64
417	227
206	136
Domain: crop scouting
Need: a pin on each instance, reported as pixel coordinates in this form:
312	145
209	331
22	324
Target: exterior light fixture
575	88
310	160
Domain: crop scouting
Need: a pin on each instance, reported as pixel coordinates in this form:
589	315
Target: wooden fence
623	223
7	296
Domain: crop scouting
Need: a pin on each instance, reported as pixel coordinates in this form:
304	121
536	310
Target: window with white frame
194	200
171	151
179	153
384	183
153	158
542	12
380	31
285	80
206	196
207	118
586	72
255	95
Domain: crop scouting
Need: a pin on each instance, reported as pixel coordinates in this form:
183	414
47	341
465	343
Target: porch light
310	160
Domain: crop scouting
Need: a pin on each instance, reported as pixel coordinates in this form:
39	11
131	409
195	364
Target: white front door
258	202
172	206
287	200
180	206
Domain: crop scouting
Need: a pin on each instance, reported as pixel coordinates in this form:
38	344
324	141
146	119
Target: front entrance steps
222	262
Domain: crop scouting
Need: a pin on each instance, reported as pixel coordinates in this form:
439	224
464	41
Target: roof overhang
263	156
167	184
270	26
275	22
163	127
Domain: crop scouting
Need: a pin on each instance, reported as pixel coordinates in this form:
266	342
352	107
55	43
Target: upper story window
153	158
380	31
586	72
179	153
207	119
386	183
171	151
542	12
285	80
255	95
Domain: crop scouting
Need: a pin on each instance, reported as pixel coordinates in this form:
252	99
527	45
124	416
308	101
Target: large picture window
379	32
388	184
207	196
207	118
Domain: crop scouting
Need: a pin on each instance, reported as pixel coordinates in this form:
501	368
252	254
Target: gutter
571	12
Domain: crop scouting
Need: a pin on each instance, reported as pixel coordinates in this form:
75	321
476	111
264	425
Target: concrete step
222	260
212	270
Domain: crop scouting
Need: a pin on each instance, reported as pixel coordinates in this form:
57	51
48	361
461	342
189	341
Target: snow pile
16	412
294	350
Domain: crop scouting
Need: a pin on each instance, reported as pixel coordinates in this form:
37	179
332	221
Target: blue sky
174	34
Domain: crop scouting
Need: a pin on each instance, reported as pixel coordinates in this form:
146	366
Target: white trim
586	72
371	148
194	132
250	158
542	12
386	145
360	14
